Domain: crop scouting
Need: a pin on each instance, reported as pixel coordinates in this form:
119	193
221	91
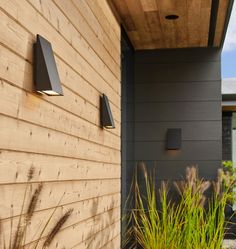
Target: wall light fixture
46	76
107	120
173	139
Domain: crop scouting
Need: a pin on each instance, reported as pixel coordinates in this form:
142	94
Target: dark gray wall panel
129	111
127	116
190	150
130	93
130	131
227	136
130	170
178	111
187	91
194	131
177	55
175	170
130	150
184	72
178	89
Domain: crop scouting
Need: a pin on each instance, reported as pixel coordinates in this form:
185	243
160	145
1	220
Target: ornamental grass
194	221
18	233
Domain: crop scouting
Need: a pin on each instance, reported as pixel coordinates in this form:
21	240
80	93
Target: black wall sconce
173	139
46	76
107	120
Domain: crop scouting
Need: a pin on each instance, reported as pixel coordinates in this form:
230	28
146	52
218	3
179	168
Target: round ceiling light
172	17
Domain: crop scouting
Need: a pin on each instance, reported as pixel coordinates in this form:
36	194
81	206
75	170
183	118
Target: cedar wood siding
61	136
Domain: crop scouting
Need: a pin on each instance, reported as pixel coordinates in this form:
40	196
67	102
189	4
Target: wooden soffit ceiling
200	23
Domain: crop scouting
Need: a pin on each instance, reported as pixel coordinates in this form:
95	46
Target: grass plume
33	203
30	174
56	228
193	222
18	238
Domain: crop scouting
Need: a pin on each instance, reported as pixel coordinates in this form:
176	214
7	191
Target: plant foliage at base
17	236
193	222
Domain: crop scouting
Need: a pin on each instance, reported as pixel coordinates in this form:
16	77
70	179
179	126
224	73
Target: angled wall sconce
46	76
107	120
173	139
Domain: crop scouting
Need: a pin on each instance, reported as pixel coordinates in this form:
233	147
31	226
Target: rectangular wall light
107	120
46	76
173	139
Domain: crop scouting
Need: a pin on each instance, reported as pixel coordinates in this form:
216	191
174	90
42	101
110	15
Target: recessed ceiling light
172	17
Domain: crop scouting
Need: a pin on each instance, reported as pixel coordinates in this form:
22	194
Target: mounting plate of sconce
46	76
107	120
173	139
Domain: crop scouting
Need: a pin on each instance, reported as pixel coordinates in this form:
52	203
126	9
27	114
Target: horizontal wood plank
57	193
29	18
14	168
100	238
21	136
114	243
99	24
16	103
60	137
149	25
71	33
113	31
20	41
19	72
80	230
106	10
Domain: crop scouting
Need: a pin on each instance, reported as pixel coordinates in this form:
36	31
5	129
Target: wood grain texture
15	165
30	18
75	229
221	16
20	42
229	108
61	137
68	192
147	27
